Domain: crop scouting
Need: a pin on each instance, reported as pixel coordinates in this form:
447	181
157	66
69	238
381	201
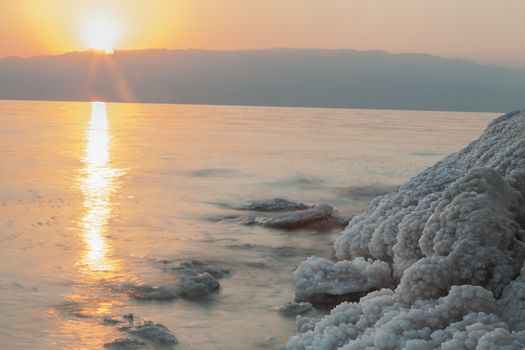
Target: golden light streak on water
79	317
97	186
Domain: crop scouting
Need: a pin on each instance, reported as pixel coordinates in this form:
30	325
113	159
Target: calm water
93	196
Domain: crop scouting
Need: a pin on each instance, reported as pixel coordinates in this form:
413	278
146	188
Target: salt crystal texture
453	238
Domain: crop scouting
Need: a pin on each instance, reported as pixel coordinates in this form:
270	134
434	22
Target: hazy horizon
471	30
88	50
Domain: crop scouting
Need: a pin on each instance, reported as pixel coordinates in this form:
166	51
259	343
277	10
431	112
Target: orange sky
482	30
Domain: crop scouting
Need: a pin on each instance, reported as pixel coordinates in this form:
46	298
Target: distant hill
276	77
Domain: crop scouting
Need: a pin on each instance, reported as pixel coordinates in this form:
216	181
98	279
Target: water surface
95	196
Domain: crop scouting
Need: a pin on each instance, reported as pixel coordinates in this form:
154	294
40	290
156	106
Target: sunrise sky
488	31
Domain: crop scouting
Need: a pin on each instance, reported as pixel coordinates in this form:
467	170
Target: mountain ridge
338	78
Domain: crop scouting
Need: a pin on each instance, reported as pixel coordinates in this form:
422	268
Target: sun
101	33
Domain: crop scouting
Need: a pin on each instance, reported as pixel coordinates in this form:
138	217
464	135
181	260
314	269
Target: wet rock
198	285
273	204
110	321
291	309
212	173
146	292
124	344
242	246
195	267
257	265
243	220
320	217
154	332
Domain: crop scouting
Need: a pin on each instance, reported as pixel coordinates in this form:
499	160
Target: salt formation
124	344
454	240
317	277
192	267
198	285
148	331
322	217
293	309
274	204
198	278
154	332
146	292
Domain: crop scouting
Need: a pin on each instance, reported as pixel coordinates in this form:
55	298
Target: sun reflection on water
97	186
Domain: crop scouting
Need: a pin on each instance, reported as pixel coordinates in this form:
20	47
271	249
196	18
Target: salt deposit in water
198	285
322	217
124	344
293	309
193	267
273	204
154	332
147	292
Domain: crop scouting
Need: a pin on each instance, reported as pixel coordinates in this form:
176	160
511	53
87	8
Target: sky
486	31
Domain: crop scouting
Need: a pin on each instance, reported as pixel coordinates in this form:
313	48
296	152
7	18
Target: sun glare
101	34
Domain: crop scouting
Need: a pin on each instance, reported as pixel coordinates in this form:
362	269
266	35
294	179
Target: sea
99	200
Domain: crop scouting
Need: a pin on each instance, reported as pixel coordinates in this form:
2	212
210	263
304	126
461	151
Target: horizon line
117	50
499	113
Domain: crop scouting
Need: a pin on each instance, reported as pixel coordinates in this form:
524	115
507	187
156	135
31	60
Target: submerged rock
321	216
197	279
195	267
154	332
293	309
146	292
111	321
124	344
198	285
274	204
454	238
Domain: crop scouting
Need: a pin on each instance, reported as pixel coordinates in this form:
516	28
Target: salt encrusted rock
124	344
306	323
454	237
512	303
274	204
198	286
154	332
147	292
321	216
317	277
293	309
501	147
379	321
195	267
473	230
